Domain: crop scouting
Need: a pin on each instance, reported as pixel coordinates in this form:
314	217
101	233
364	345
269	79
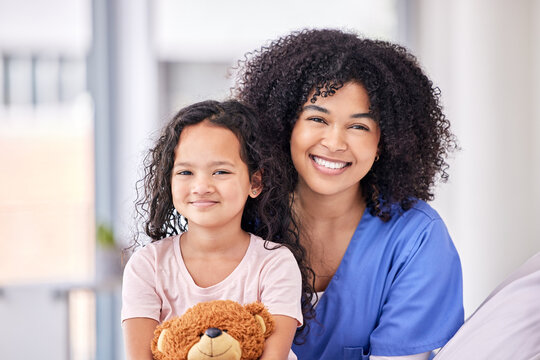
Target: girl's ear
256	184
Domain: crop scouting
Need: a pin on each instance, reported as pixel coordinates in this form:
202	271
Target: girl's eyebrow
325	111
221	162
213	163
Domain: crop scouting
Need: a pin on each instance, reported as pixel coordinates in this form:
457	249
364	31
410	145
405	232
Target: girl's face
335	141
210	182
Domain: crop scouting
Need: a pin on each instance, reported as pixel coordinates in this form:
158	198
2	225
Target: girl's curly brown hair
268	215
415	135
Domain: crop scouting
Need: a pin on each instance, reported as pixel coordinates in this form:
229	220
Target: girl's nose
202	185
334	140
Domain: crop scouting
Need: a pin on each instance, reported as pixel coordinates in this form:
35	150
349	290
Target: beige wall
46	197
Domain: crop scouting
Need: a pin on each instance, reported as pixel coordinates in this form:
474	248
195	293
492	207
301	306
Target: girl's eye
184	172
221	172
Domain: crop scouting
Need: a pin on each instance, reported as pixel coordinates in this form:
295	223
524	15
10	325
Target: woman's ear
256	184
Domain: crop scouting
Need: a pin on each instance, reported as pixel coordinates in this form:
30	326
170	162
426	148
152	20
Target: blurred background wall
485	56
86	84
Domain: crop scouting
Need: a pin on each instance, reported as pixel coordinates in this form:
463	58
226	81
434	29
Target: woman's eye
317	119
184	172
359	127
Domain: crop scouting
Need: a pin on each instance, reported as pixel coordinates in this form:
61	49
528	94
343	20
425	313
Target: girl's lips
329	167
203	203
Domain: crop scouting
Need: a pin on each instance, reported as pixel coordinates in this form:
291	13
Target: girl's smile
210	182
203	203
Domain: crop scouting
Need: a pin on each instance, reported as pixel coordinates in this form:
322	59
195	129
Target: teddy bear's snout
215	344
213	332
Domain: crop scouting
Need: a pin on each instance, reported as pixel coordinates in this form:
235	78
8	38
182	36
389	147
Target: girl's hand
278	345
138	335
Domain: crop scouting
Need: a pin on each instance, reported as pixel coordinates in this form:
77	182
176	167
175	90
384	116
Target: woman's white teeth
329	164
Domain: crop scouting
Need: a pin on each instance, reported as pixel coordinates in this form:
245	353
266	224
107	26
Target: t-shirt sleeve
139	295
281	285
424	307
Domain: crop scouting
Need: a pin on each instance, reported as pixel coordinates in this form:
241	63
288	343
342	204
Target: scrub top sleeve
139	295
424	307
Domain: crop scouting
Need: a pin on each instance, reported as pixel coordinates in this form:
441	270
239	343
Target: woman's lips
327	166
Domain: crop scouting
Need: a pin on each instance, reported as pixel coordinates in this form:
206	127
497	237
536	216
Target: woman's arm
138	335
278	345
422	356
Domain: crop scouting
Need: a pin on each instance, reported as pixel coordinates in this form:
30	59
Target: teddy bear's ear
260	320
262	316
161	340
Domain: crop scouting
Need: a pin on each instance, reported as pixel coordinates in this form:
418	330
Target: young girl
210	180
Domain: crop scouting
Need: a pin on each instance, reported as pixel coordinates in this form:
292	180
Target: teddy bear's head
219	330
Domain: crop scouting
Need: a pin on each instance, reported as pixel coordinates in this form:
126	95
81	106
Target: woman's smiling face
335	141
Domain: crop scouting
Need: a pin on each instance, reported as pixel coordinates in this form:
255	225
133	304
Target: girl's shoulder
268	249
156	250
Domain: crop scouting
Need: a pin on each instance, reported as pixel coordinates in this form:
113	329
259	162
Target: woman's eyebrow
324	110
362	115
316	108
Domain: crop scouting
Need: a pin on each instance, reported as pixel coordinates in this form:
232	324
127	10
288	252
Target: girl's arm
138	335
278	345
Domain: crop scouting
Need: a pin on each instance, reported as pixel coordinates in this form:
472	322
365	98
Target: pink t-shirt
157	284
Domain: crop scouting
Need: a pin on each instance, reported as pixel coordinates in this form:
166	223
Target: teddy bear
219	330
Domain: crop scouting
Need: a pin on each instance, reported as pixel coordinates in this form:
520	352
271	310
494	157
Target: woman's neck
313	208
327	224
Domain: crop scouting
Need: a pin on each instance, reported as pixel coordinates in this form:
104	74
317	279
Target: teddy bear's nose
213	332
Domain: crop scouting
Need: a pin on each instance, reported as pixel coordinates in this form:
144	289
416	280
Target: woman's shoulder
421	226
420	211
407	229
425	209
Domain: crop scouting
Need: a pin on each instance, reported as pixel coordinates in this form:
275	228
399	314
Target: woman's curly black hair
268	215
415	135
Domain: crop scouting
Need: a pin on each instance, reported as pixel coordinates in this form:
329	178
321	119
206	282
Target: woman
367	141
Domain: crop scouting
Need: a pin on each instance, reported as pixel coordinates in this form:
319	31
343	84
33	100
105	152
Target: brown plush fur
237	320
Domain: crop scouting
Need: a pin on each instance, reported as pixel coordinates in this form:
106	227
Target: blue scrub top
397	291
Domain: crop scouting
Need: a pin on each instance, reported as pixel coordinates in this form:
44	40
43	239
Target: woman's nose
334	140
